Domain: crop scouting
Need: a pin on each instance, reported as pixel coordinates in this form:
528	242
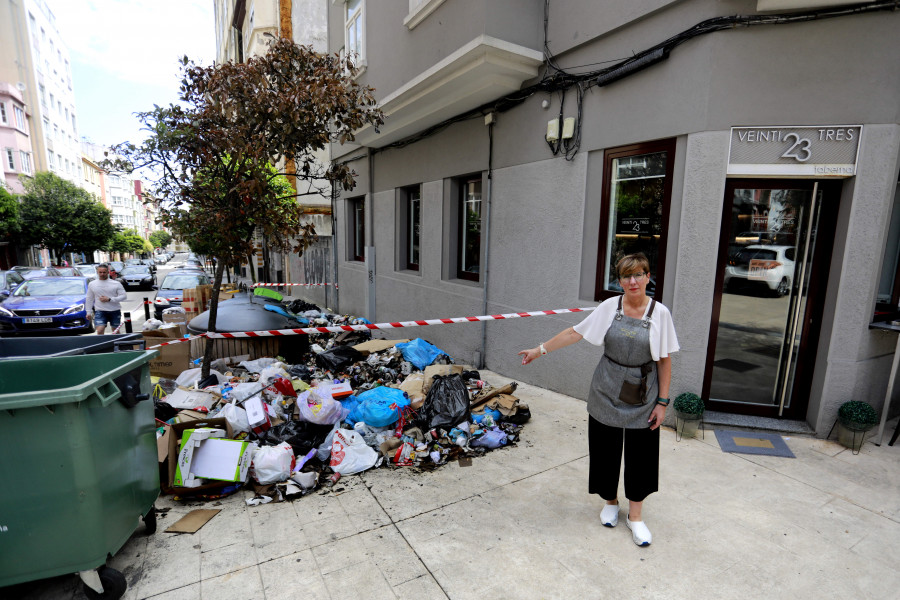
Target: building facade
15	138
750	149
34	56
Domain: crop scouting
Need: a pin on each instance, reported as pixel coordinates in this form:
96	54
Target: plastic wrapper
191	376
256	366
151	324
236	417
446	404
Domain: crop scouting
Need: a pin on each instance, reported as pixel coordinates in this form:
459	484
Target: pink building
15	142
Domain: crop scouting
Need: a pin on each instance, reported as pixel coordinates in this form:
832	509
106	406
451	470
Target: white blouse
663	341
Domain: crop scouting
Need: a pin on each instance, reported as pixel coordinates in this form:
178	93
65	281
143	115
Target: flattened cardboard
162	444
367	348
172	359
193	521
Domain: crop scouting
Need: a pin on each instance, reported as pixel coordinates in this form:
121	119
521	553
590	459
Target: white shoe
609	516
639	532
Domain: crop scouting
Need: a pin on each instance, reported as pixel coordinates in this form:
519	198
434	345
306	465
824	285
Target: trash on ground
193	521
345	404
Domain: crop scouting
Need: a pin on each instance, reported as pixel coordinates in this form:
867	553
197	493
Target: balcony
483	70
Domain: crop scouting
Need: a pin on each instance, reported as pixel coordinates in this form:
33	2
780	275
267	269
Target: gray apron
626	347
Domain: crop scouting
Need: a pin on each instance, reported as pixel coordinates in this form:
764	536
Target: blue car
46	304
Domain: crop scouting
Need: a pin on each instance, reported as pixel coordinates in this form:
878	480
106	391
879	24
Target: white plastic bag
273	372
191	376
242	391
236	417
256	366
324	450
316	409
349	453
272	464
151	324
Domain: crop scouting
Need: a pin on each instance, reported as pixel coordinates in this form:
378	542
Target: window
409	223
20	117
357	222
3	118
10	160
354	31
419	10
25	158
634	212
469	240
888	299
51	159
43	92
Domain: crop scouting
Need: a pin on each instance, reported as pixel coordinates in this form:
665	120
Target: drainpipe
490	119
334	256
370	240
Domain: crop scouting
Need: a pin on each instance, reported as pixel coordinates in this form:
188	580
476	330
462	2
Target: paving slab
519	523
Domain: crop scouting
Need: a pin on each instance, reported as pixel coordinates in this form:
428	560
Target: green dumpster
78	441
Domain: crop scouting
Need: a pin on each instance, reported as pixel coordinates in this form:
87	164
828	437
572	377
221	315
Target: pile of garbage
351	404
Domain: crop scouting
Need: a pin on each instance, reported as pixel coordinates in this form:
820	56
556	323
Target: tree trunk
213	312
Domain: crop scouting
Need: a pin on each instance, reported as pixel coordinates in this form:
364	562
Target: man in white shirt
104	296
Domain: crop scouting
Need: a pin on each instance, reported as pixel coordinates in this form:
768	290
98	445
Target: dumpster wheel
114	585
150	521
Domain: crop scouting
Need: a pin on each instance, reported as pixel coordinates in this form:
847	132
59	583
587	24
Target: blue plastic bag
419	352
374	407
492	438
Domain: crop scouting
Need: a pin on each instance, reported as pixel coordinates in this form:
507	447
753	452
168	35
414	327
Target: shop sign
820	151
636	225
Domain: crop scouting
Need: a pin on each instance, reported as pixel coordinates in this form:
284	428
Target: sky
125	58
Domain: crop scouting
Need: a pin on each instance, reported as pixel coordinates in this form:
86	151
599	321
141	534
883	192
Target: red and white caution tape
290	284
368	326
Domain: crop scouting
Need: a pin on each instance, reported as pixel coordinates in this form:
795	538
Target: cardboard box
370	346
206	454
175	435
177	317
172	359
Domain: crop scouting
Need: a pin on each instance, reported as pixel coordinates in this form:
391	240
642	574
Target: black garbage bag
303	436
447	403
337	358
300	372
301	306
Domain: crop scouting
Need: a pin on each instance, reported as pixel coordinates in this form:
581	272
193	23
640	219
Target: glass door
762	341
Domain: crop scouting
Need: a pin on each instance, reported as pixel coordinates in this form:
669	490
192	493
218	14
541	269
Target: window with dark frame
413	226
357	208
634	212
469	239
888	297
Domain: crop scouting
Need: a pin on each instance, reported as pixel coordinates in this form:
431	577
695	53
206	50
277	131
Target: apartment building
15	138
751	149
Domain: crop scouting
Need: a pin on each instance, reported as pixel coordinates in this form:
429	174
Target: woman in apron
629	392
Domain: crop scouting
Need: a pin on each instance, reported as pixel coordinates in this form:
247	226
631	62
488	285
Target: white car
761	265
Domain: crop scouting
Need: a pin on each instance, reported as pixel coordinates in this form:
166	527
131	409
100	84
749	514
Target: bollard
146	308
127	318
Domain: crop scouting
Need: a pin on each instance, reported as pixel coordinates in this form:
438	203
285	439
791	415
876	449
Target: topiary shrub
857	415
689	403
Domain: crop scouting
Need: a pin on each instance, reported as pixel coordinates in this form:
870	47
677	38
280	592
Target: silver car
768	267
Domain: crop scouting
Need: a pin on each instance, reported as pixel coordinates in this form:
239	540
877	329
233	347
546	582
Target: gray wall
545	210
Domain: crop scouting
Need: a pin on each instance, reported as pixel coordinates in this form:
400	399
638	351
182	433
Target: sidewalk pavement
518	523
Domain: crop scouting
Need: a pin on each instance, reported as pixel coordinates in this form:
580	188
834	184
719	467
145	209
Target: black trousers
605	445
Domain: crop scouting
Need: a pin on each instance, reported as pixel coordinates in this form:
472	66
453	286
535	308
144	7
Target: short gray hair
103	266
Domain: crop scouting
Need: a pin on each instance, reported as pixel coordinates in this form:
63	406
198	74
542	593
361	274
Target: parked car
46	305
137	276
35	272
89	271
8	282
161	259
770	268
192	263
70	272
171	292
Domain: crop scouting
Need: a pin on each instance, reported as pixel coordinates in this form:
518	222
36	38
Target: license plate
38	320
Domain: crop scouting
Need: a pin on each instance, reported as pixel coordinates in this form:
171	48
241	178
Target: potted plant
689	409
855	418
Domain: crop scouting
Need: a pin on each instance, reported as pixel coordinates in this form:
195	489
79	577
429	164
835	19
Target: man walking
106	294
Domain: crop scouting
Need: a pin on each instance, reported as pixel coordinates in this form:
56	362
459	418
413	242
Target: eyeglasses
635	276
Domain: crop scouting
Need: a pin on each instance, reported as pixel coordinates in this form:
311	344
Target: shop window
469	230
888	299
634	213
357	222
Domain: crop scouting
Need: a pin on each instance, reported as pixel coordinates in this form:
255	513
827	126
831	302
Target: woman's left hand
657	416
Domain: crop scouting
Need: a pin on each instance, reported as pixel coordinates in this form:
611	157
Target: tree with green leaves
127	242
213	153
58	215
160	239
9	215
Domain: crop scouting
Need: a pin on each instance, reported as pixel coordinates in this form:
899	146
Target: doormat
733	364
753	442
